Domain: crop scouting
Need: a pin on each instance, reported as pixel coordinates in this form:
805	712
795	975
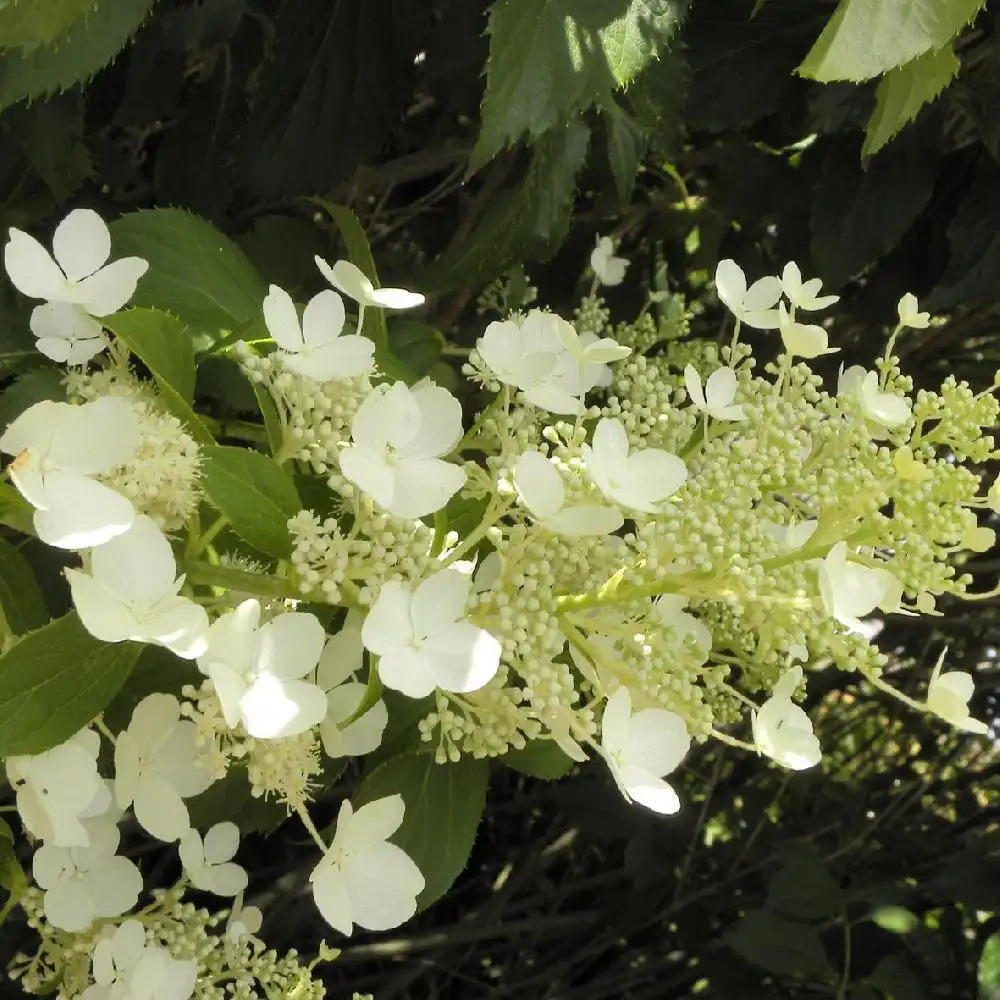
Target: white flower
910	314
753	306
155	767
59	788
399	435
257	670
791	537
424	643
670	611
59	450
363	879
126	968
715	399
80	273
336	675
85	883
640	481
243	922
851	590
641	748
610	270
534	355
314	348
883	410
66	334
520	354
802	340
782	730
948	696
131	593
804	294
542	491
588	349
351	280
209	862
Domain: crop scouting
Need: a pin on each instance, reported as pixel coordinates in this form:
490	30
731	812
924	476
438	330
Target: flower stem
202	541
261	584
311	827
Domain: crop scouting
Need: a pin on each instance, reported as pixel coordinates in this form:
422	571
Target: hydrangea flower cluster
635	545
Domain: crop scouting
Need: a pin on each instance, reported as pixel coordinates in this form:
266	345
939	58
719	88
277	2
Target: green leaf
25	24
195	271
530	220
255	493
157	670
550	59
539	759
780	946
20	596
556	164
32	387
989	967
15	511
163	344
626	147
12	876
902	92
56	680
444	803
88	45
230	799
269	411
897	978
865	38
418	345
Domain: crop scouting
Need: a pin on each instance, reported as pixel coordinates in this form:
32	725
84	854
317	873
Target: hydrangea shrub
624	544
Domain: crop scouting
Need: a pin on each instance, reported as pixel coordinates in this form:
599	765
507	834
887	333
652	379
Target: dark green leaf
539	759
20	596
531	219
256	494
781	946
860	215
803	888
552	58
157	670
88	45
54	681
32	387
418	345
973	272
163	344
334	92
897	979
443	805
195	271
626	146
230	799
